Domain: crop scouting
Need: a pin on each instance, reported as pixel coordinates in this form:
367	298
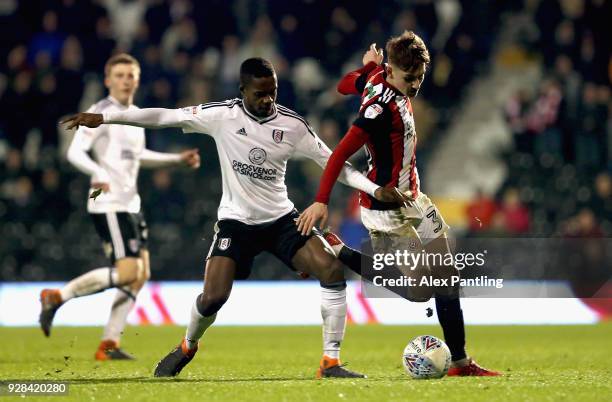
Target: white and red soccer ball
426	357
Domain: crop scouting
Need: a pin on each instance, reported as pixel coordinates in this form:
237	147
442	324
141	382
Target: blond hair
121	58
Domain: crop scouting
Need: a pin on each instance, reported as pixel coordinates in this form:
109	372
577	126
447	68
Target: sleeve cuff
323	199
369	67
107	117
100	176
371	188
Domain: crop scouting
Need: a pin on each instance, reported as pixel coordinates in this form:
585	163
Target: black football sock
450	316
362	264
352	259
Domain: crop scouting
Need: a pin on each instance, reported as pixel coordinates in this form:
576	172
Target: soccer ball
426	357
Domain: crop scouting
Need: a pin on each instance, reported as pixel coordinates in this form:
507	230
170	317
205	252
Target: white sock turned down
122	305
89	283
198	324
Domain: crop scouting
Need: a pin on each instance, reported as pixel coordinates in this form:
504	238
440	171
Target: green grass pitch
541	363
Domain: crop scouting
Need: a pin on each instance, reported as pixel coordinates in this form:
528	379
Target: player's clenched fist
91	120
191	158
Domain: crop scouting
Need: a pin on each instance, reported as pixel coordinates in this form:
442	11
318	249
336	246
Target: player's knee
211	302
144	271
334	273
143	276
128	270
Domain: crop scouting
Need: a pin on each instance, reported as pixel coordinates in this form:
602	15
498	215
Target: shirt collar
116	102
261	120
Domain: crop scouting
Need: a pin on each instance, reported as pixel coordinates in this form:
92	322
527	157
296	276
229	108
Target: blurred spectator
602	198
480	212
98	47
352	232
125	16
342	27
13	168
49	41
54	206
169	202
260	42
514	215
516	110
542	120
584	224
591	138
158	18
229	74
22	203
16	102
179	37
69	78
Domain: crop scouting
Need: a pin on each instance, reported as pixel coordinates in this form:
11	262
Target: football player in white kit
255	138
118	153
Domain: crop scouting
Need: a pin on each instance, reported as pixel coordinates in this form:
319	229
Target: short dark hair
406	50
255	67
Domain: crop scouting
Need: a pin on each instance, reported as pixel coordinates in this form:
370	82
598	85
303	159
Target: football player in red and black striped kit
385	127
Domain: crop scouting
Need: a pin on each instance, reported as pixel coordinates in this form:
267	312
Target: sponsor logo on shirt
372	111
257	156
242	131
277	135
255	172
190	110
371	91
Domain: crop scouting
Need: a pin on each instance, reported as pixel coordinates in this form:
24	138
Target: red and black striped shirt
385	127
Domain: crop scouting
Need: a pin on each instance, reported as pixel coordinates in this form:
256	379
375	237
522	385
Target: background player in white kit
119	151
255	138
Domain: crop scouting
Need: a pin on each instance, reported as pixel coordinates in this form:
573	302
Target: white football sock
91	282
198	324
122	305
333	311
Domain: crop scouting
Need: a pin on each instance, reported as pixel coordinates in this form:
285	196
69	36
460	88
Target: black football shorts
242	242
123	234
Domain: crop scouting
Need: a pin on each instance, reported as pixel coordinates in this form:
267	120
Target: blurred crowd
190	52
559	179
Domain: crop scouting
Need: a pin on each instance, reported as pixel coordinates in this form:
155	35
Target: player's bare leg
218	281
125	272
450	315
125	298
313	259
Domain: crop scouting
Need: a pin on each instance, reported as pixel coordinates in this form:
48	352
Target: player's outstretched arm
153	159
147	118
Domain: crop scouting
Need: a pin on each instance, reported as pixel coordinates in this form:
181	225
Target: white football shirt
116	149
253	153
